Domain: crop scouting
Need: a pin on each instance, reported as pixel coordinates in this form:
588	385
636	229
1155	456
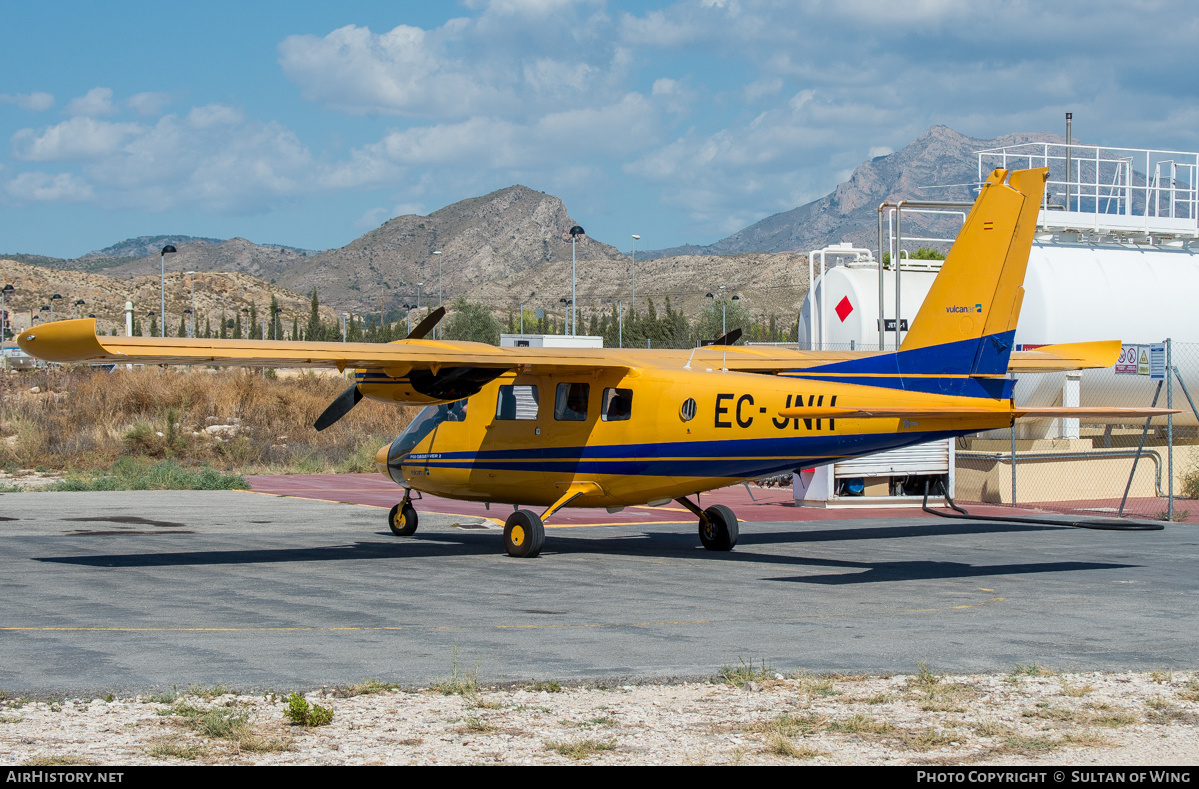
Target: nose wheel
402	519
524	534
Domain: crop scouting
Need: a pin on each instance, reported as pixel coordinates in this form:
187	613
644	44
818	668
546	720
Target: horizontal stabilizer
1065	357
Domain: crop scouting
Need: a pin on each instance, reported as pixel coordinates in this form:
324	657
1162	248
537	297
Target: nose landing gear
402	519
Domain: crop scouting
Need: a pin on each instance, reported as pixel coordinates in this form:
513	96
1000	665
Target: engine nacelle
419	386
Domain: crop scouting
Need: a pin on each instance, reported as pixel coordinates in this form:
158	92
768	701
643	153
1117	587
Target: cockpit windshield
425	422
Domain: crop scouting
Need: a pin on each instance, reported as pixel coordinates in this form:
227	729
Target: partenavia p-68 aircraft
614	428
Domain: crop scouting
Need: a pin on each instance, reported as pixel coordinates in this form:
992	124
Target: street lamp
437	252
78	303
575	232
7	289
567	308
192	275
52	298
633	260
162	284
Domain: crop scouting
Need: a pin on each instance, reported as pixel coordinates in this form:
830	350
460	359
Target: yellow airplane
615	428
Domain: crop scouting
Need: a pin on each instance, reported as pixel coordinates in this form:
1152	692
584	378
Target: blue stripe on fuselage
729	458
956	361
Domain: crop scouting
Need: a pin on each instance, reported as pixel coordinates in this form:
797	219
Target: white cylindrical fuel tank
852	303
1073	293
1076	293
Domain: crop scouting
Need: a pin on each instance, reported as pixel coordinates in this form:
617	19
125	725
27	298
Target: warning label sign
1134	360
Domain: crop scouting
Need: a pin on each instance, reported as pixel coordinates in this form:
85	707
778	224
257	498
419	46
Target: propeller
426	326
338	408
350	397
729	338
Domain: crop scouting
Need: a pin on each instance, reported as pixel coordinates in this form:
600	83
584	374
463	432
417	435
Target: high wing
76	341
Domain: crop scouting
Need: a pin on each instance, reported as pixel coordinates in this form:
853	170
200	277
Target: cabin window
456	412
517	401
618	405
570	402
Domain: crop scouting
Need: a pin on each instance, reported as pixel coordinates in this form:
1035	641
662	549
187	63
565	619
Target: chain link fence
1144	468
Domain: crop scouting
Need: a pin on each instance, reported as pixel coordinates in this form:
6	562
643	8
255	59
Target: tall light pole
162	286
575	232
192	276
52	298
7	289
633	260
437	330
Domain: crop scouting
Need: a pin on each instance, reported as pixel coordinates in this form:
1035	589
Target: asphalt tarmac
136	591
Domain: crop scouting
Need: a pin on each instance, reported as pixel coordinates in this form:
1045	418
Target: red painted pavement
766	504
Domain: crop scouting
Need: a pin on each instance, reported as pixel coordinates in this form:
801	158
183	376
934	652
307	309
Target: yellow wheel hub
518	535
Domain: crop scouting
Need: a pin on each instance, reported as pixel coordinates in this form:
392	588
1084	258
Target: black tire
719	532
524	534
402	519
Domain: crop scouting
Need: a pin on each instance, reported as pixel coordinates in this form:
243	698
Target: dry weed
82	418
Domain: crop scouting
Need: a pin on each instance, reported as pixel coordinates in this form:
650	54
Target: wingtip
63	341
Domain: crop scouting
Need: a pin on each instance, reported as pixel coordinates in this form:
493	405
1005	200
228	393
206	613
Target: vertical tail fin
961	339
976	298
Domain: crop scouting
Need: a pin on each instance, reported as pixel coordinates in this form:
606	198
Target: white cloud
148	104
97	101
403	71
78	138
44	187
212	159
36	101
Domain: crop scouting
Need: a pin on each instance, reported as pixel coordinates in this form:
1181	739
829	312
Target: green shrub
300	713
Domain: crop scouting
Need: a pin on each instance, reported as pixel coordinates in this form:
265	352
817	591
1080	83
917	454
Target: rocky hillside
939	165
105	296
482	240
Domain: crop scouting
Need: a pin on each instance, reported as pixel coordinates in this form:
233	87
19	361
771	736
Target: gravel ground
747	716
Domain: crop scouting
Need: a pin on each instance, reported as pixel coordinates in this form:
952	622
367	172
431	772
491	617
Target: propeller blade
729	338
338	408
426	326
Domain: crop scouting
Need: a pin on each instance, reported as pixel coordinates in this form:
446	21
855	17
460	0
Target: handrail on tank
898	207
1101	188
838	250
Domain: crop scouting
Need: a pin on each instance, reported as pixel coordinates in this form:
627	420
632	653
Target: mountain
481	240
939	165
142	246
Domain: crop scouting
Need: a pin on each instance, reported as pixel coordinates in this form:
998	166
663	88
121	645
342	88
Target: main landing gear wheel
524	535
718	529
402	519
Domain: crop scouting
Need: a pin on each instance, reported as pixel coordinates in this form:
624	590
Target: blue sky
309	124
